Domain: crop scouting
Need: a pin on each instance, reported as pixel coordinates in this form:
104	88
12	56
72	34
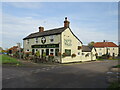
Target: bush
37	54
115	85
105	56
50	57
26	55
87	55
59	54
44	54
64	55
73	55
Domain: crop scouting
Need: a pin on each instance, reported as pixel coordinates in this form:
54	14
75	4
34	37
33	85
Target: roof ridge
46	32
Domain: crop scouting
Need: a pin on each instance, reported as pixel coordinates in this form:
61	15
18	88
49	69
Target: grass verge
114	85
5	59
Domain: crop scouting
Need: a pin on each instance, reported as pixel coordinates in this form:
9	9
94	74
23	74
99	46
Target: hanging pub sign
46	46
68	42
43	40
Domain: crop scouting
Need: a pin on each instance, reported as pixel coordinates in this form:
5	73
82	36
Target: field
4	59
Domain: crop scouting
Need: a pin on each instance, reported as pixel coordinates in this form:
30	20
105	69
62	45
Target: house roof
13	48
46	33
105	44
86	48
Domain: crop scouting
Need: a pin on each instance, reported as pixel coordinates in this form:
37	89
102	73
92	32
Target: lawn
109	59
5	59
115	85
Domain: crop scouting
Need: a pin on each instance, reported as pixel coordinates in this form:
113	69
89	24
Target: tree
91	44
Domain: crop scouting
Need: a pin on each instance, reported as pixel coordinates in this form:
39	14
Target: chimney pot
103	40
66	22
41	29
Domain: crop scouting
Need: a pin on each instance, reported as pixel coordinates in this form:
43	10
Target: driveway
81	75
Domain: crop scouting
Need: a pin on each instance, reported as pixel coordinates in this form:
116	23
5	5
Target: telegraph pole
19	49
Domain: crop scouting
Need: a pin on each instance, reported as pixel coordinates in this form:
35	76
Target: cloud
0	24
87	35
16	28
28	5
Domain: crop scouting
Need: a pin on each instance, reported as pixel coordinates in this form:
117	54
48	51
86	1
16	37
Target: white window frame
52	52
79	54
83	54
36	40
100	54
27	50
27	41
51	37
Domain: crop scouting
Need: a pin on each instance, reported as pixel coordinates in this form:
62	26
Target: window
27	41
56	52
113	48
36	49
36	40
68	52
87	55
52	38
78	53
82	53
100	49
51	50
79	47
51	54
47	51
100	53
27	49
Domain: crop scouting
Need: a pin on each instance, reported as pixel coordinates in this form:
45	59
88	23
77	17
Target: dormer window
52	38
36	40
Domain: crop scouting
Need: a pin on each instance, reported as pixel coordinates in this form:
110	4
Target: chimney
41	29
103	40
66	22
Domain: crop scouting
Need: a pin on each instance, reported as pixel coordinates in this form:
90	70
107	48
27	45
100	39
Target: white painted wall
103	50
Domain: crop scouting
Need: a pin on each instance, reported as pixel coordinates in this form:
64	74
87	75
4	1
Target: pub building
58	41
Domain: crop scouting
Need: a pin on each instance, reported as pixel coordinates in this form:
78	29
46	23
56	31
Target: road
81	75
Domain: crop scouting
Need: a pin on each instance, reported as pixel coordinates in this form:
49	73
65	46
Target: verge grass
5	59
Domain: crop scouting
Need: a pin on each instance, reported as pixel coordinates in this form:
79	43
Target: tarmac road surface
81	75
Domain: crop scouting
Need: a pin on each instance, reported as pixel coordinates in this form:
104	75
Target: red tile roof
105	44
14	47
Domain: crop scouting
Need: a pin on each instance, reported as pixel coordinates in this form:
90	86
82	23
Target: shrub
64	55
50	57
26	54
79	47
59	53
73	55
37	54
105	56
87	55
96	54
44	54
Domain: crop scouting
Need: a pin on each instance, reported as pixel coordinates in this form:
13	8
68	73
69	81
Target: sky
90	21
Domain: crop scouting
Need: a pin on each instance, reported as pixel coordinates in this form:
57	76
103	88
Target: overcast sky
90	21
